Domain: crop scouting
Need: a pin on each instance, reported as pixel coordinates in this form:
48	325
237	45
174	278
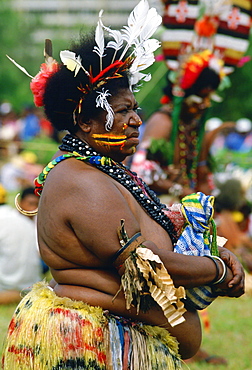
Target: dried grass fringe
49	332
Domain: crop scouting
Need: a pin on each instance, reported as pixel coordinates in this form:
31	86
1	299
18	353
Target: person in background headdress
109	242
202	43
174	155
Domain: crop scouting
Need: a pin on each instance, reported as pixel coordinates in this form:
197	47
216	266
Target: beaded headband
136	36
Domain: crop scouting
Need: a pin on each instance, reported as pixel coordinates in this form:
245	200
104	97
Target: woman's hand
236	284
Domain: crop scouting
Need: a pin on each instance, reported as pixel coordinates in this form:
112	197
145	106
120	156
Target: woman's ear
85	126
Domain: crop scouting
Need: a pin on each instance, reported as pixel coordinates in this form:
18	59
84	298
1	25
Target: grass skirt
52	333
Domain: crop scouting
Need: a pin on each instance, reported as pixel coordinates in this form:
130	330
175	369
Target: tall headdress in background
220	25
200	34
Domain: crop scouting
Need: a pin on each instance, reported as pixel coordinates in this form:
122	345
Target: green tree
16	42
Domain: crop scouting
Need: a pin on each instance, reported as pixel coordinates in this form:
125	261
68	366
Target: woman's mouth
133	138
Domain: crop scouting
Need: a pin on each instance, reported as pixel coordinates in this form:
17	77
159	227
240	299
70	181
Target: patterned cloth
52	333
198	212
196	240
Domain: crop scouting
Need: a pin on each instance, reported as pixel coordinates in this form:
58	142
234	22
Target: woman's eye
123	111
127	110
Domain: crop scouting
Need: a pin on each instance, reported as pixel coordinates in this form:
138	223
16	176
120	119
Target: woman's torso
78	273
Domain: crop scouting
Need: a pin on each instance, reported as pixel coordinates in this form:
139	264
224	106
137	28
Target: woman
93	211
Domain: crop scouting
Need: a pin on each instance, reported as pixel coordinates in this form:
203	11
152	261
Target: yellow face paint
109	139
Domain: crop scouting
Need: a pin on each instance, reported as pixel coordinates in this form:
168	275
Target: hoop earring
23	211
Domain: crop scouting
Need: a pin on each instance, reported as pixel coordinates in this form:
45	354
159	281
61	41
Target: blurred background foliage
17	40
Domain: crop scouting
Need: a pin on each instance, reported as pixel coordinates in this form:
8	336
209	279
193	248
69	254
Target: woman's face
122	139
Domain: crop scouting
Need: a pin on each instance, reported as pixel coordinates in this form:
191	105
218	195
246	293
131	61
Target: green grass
230	333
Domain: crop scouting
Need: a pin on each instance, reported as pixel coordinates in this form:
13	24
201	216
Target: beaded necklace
122	174
188	156
189	168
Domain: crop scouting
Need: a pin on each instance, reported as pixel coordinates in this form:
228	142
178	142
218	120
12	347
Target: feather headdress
133	52
142	23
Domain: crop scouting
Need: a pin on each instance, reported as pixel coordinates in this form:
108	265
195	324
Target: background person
174	157
19	258
28	202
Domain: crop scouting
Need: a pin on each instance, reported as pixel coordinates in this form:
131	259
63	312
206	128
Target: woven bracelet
217	268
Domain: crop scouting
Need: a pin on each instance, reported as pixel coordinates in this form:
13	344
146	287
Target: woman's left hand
236	284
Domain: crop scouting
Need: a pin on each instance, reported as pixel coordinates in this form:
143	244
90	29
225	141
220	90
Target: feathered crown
136	36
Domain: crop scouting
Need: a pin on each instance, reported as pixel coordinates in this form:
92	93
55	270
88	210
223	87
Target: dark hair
62	93
230	196
27	191
208	78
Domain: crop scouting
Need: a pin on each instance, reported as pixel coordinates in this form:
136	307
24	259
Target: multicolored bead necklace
141	192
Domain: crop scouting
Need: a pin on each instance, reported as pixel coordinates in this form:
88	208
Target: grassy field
230	333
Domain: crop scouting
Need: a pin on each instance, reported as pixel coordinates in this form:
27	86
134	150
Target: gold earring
23	211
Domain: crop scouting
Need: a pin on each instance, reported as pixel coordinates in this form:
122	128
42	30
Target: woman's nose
135	120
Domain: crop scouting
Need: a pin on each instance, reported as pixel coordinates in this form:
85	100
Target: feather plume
144	58
153	21
19	66
72	62
138	76
99	39
136	22
117	44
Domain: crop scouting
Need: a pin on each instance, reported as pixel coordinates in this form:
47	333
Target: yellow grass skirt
52	333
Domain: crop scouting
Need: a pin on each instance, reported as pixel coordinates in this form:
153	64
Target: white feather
136	22
99	39
19	66
144	55
117	36
144	58
134	79
152	22
72	62
151	45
